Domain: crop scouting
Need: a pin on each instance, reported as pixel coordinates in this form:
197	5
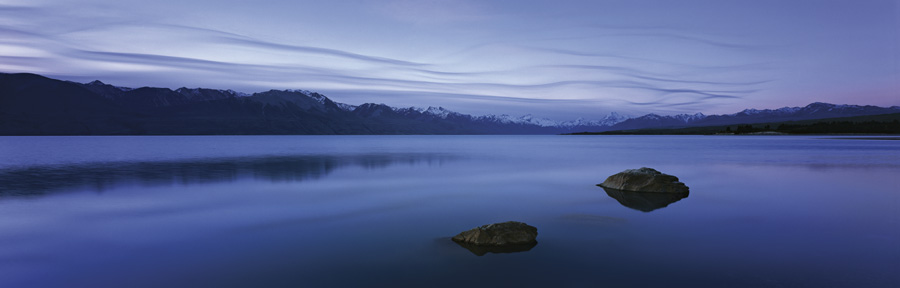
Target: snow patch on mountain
543	122
301	91
237	94
313	95
811	108
816	107
439	112
502	118
651	116
319	98
529	119
687	118
189	92
346	107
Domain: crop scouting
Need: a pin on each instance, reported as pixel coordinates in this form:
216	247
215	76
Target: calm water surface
363	211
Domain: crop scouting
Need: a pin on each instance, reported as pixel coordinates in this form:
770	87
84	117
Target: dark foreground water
364	211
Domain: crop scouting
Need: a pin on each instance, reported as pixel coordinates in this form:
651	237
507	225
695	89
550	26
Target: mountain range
31	104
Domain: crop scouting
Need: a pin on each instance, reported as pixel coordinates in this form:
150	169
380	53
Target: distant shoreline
864	138
874	125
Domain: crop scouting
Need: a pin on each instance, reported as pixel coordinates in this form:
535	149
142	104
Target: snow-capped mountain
526	119
315	96
36	105
346	107
817	110
687	118
529	119
439	112
613	121
610	119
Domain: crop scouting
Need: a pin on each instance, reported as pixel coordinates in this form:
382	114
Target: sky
554	59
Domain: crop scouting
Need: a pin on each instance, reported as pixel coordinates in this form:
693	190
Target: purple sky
556	59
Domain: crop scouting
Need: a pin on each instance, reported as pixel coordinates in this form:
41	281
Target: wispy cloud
664	34
435	80
431	11
461	52
465	81
624	56
255	44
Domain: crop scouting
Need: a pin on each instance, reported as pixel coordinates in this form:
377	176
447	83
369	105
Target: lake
364	211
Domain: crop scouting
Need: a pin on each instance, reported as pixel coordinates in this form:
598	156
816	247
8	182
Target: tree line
832	127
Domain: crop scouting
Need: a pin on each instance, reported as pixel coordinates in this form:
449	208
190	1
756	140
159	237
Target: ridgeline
885	124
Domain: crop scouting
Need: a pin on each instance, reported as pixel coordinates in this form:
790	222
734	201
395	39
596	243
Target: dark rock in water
480	250
644	180
499	234
644	201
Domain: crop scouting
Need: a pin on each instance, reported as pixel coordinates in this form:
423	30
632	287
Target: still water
369	211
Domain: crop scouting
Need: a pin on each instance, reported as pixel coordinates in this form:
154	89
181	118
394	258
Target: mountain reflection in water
644	201
481	250
39	180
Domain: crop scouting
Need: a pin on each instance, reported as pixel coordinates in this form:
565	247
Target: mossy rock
644	180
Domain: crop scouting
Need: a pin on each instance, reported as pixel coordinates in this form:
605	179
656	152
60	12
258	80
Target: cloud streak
474	52
317	50
476	89
349	79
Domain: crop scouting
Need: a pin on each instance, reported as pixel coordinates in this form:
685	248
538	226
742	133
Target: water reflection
481	250
644	201
104	176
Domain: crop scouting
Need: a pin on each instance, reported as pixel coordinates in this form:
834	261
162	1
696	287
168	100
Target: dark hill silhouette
36	105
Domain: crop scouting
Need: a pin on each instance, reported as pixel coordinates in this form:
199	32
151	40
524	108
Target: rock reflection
644	201
481	250
103	176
